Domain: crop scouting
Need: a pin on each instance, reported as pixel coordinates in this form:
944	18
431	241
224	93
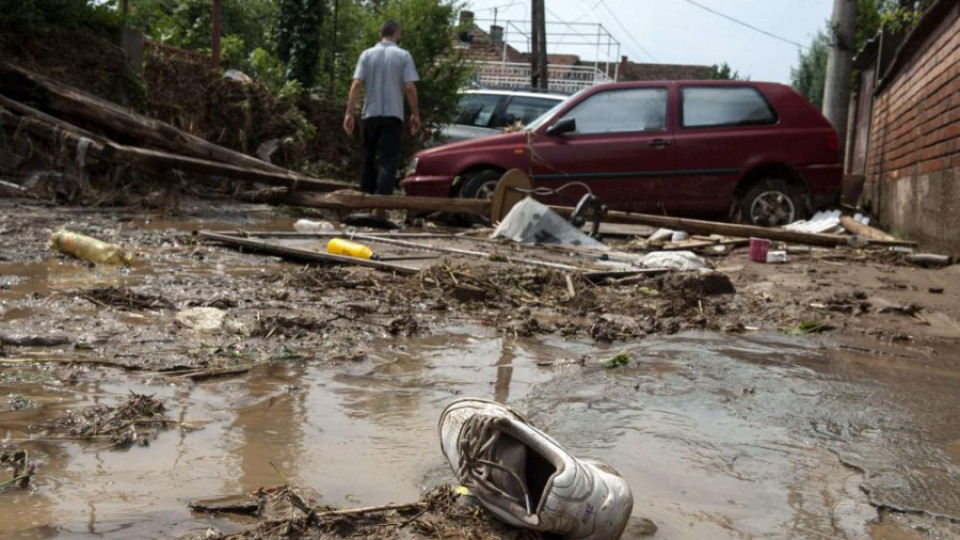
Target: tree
429	29
187	23
809	76
298	38
724	72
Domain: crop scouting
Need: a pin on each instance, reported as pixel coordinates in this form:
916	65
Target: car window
618	111
476	109
725	106
525	110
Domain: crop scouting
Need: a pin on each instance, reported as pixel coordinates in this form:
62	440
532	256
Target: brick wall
913	157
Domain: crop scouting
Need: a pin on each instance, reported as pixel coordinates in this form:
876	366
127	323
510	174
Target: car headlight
411	167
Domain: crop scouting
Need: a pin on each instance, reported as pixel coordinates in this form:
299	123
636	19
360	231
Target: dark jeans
381	134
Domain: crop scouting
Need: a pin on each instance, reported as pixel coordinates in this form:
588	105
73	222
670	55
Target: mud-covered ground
832	378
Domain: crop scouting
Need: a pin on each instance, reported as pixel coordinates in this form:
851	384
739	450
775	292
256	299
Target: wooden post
215	37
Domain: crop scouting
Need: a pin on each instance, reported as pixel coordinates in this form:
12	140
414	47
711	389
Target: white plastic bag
684	261
530	222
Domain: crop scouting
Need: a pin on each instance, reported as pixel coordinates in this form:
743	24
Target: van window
525	109
619	111
477	109
724	106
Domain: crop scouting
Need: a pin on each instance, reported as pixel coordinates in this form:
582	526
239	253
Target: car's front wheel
772	202
480	184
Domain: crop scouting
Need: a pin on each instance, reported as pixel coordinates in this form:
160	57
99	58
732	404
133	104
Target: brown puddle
719	437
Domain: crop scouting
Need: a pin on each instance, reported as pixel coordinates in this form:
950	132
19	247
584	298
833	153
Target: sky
676	31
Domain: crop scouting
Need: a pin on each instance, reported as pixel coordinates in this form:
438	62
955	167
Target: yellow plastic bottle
339	246
88	248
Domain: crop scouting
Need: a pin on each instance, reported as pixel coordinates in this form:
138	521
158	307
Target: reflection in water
720	437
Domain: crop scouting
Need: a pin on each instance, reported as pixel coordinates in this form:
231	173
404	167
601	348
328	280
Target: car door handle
660	143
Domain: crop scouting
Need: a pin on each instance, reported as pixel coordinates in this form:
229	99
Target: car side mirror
567	125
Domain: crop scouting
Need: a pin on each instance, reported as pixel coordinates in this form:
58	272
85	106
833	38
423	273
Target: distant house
501	65
631	71
905	128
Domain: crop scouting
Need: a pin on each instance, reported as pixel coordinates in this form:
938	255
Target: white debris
530	222
683	261
201	319
823	222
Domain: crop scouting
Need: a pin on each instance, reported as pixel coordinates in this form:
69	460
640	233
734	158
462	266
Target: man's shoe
526	478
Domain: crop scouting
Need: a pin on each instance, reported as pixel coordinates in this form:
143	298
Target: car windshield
545	117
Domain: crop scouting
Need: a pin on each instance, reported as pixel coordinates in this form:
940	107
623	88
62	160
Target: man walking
386	73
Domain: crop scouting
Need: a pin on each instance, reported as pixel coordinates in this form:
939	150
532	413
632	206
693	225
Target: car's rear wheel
480	184
772	202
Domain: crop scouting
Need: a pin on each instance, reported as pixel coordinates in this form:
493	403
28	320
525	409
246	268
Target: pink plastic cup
758	249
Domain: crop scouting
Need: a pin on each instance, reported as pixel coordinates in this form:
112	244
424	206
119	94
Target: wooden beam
54	129
305	254
866	231
355	200
159	160
66	100
696	226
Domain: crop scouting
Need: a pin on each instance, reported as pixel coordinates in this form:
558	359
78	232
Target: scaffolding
571	38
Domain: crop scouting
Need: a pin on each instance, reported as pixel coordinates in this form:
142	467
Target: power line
744	24
627	32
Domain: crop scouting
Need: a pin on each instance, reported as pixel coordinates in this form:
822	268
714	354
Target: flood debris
440	513
34	340
88	248
17	461
618	360
124	298
135	421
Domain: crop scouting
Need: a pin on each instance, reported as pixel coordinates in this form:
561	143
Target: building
501	65
905	128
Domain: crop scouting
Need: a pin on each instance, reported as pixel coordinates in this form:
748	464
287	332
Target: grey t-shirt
384	69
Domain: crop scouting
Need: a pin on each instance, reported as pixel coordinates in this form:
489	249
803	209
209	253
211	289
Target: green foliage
428	30
81	16
810	75
724	72
807	327
809	78
298	38
187	23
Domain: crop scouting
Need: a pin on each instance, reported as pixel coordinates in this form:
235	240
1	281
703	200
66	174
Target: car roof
687	82
555	97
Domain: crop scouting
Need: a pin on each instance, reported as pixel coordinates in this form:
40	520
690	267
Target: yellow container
88	248
339	246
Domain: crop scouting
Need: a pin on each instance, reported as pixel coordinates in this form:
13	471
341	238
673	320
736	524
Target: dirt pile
87	62
170	75
441	513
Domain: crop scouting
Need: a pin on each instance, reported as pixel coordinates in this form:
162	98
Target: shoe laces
478	439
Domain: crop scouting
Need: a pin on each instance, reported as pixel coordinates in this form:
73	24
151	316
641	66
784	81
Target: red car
757	151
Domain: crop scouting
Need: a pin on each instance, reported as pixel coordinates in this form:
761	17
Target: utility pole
836	92
215	37
538	47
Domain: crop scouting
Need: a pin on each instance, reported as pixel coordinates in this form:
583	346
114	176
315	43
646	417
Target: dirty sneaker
526	478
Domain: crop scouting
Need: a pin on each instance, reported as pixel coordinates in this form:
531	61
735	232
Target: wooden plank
305	254
866	231
159	160
56	130
21	83
356	200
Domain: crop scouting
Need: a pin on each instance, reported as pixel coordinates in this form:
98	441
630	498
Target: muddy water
359	434
720	437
